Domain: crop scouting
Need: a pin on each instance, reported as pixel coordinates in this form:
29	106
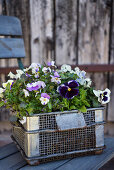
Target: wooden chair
11	41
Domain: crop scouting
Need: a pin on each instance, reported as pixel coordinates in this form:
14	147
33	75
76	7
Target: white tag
70	121
98	116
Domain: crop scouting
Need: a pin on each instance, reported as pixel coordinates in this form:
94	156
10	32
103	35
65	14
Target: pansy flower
36	85
65	68
56	78
103	96
80	74
44	98
69	90
52	63
35	67
1	92
84	82
46	69
11	75
8	82
26	93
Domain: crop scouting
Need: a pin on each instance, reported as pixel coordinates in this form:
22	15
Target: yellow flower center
56	78
69	89
45	100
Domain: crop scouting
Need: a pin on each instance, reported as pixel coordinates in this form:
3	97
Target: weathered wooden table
10	158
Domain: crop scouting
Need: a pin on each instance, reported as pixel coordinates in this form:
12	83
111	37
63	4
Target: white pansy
84	82
26	93
36	75
81	81
5	84
19	73
87	82
56	80
53	63
1	92
72	71
65	68
97	92
46	69
35	67
103	96
77	69
81	74
44	100
26	69
11	75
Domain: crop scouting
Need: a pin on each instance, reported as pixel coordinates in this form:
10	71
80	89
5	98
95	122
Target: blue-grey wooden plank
46	166
10	25
14	161
12	48
93	162
7	150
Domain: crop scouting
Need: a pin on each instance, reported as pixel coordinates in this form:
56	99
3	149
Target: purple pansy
44	98
56	78
35	86
56	74
68	90
52	63
49	63
45	95
28	75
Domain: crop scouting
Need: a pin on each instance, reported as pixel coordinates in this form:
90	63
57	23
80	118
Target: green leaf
72	107
30	110
1	103
49	105
83	109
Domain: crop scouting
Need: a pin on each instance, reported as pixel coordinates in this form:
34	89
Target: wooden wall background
67	31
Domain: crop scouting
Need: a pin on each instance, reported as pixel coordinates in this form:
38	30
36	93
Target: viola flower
35	67
80	74
46	70
72	72
81	81
36	75
68	90
103	96
19	73
35	86
65	68
27	69
52	63
84	82
8	82
1	92
11	75
26	93
44	98
41	84
87	82
28	75
56	78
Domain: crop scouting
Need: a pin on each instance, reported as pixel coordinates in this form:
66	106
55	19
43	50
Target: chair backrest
11	41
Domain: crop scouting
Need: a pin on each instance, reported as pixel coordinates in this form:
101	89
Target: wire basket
58	135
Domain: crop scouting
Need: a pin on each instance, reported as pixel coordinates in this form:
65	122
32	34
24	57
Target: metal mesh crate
59	134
